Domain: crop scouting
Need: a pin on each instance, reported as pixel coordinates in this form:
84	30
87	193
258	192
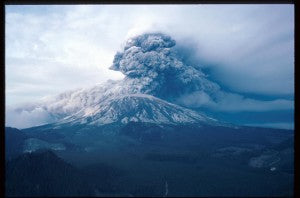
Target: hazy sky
247	49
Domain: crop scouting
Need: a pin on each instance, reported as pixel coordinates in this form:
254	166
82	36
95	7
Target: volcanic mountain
155	77
139	125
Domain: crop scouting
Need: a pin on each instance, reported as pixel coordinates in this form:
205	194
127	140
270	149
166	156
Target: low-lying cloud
231	102
278	125
23	118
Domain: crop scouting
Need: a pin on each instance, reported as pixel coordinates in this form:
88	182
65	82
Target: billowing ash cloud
152	64
151	61
145	55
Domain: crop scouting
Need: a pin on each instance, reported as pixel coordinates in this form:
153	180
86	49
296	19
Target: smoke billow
151	62
153	65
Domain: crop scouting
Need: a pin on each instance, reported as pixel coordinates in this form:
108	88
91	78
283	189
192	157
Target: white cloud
31	79
24	119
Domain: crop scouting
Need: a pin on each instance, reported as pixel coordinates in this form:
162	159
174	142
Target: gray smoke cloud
151	61
153	64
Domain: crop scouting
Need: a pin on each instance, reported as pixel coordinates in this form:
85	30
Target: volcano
138	125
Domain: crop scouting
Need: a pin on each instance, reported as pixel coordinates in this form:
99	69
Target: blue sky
247	49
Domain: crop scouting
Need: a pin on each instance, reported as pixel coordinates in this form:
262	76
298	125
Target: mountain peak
136	108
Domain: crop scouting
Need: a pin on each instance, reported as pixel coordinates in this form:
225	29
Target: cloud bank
232	102
26	118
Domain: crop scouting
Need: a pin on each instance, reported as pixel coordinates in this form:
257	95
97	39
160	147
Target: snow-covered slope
136	108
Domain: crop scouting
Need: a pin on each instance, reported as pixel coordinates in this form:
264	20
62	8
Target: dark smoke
152	62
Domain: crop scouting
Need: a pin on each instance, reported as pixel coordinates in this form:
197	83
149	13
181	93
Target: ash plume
151	62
